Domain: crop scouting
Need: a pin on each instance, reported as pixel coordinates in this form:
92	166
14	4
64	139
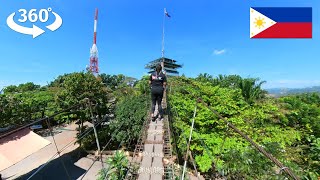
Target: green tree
143	85
78	86
130	115
251	89
204	77
10	89
113	81
20	108
29	86
230	81
74	89
218	149
57	82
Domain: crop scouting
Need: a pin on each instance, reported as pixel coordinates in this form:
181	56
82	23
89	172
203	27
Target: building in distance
169	66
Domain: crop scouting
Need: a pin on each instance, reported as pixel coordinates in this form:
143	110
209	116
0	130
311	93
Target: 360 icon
34	15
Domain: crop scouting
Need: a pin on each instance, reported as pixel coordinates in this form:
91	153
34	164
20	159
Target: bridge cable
203	145
100	153
95	132
174	132
188	144
191	157
190	153
81	136
41	119
141	138
259	148
55	143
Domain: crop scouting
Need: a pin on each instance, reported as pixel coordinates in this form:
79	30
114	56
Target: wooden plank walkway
151	166
153	149
156	147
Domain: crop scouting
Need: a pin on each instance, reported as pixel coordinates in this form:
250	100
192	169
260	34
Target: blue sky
205	36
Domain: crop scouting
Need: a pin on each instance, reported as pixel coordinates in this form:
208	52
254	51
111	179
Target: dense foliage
117	167
112	81
219	151
129	112
302	112
250	87
27	102
143	85
287	127
75	88
23	103
129	117
29	86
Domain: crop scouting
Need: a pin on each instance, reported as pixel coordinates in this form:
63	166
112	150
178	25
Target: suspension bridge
153	157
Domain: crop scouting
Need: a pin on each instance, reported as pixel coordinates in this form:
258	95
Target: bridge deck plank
151	167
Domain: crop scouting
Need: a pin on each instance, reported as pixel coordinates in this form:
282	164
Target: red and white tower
94	67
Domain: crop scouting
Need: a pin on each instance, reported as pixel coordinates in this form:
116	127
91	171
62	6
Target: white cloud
219	52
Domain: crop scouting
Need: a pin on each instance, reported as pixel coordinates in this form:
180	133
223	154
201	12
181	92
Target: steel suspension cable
81	136
191	157
100	153
171	126
55	143
259	148
190	153
188	144
143	130
39	120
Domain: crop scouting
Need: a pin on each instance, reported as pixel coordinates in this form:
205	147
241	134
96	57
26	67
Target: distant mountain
286	91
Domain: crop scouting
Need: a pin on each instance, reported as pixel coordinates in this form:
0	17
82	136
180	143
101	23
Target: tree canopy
287	127
284	127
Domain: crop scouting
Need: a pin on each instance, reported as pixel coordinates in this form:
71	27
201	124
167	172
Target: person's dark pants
156	97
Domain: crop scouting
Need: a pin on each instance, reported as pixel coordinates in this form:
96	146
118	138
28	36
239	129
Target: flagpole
162	52
164	17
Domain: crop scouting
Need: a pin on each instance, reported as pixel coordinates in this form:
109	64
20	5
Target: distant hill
287	91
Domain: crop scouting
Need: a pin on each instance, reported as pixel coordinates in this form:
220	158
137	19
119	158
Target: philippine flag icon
281	22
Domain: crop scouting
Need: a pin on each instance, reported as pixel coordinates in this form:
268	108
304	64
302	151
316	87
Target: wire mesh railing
259	148
61	154
59	151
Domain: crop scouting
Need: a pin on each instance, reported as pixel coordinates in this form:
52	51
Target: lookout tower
170	66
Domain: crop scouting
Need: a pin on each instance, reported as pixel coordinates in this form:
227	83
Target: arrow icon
34	31
56	24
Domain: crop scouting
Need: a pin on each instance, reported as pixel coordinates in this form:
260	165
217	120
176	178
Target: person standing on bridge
158	82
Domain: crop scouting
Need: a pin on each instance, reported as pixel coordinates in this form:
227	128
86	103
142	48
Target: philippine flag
281	22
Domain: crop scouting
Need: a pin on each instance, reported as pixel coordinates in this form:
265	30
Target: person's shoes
160	118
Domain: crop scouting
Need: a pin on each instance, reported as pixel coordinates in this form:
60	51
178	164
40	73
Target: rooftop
170	65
